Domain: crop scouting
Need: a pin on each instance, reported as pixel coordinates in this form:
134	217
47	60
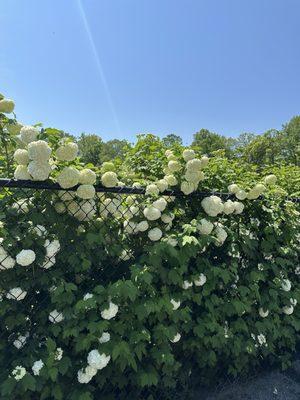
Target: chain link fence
42	215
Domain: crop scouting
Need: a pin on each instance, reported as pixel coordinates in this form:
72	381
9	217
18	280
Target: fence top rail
38	185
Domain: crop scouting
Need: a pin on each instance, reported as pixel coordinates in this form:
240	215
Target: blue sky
122	67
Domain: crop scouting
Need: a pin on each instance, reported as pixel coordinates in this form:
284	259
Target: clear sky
122	67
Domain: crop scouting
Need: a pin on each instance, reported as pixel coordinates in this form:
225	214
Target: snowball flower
39	151
6	261
172	242
233	188
175	304
152	189
229	207
40	230
85	375
110	312
97	360
37	366
261	339
205	227
288	310
48	263
161	204
25	257
194	164
293	302
109	179
167	218
52	248
188	154
186	285
104	338
259	187
55	317
204	161
87	177
39	171
187	187
16	294
253	194
19	372
21	173
238	207
263	313
172	181
154	234
87	296
68	177
221	234
20	341
200	281
152	213
58	354
212	205
176	338
21	157
194	176
286	285
162	185
86	191
28	134
174	166
241	194
142	226
270	179
7	106
67	152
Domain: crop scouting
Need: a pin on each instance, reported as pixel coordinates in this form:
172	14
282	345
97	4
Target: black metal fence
47	216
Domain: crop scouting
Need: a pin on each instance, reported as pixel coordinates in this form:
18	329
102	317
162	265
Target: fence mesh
45	216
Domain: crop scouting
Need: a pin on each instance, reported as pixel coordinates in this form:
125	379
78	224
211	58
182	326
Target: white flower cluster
19	372
16	294
6	261
67	152
36	367
176	338
21	341
25	257
110	312
96	362
7	106
55	317
214	206
199	281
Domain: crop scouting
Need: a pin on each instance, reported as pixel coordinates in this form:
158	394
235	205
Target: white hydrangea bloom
194	164
142	226
16	294
172	241
67	152
204	161
48	263
241	194
194	176
97	360
288	310
167	218
40	230
18	373
176	338
168	152
14	128
52	248
172	181
212	205
20	341
21	157
205	227
152	213
109	179
187	187
286	285
188	154
233	188
161	204
21	173
28	134
134	210
60	208
39	171
259	187
229	207
263	313
186	285
152	189
175	304
200	281
7	106
37	366
221	234
87	177
238	207
174	166
25	257
6	261
130	227
55	317
155	234
68	177
162	185
110	312
88	296
104	338
58	354
86	375
39	151
253	194
86	191
262	339
293	302
270	179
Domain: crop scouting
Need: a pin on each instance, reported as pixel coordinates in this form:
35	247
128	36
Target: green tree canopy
90	147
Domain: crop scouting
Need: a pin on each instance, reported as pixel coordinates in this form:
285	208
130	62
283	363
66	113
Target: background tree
172	140
90	147
207	142
114	149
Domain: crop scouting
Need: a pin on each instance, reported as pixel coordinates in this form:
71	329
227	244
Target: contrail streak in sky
99	65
